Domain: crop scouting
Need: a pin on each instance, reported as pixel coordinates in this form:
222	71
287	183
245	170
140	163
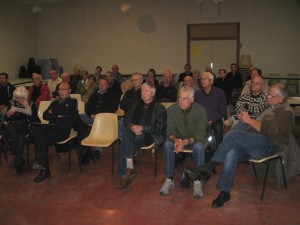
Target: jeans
130	143
169	156
239	146
239	126
120	128
86	119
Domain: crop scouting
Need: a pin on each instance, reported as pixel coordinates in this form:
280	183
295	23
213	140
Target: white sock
129	163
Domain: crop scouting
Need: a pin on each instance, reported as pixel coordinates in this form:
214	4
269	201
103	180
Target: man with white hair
186	128
144	123
53	82
214	101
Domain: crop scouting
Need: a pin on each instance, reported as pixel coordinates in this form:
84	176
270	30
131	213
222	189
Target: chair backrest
42	108
168	104
105	125
81	109
77	96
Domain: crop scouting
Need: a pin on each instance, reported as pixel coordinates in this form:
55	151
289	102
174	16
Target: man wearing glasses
264	136
253	102
186	128
61	115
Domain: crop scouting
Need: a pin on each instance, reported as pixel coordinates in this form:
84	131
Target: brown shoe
124	183
126	180
130	173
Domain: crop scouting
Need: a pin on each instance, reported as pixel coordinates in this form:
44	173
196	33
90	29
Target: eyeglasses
183	99
63	89
255	83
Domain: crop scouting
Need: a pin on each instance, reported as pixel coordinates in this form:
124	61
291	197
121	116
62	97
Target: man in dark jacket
100	102
144	123
6	93
61	114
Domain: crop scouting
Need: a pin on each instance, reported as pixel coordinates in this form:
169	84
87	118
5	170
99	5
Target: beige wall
154	35
17	36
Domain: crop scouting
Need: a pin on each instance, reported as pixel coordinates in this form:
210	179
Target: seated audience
114	86
189	81
101	101
255	72
38	92
74	79
133	94
223	83
264	136
214	101
129	98
151	78
19	114
88	89
98	72
253	103
144	123
186	128
83	82
6	94
187	71
61	114
53	82
116	75
196	79
166	92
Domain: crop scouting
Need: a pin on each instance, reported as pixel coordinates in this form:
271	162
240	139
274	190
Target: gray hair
210	75
188	89
21	92
196	71
137	74
152	87
280	90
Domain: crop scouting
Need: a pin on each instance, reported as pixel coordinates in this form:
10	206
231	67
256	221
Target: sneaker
228	122
198	190
167	186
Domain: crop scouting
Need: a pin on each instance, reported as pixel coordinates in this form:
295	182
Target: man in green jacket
186	128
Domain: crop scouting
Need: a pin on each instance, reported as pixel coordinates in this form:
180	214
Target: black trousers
45	137
17	133
218	129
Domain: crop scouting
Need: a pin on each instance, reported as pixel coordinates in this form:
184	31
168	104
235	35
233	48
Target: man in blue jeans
186	128
144	123
264	136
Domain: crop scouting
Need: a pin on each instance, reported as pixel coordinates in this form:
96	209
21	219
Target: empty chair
104	133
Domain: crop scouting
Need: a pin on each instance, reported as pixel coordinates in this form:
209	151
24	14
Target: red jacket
45	94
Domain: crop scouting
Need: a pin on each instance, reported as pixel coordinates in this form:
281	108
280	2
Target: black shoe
197	173
96	155
221	199
19	169
44	174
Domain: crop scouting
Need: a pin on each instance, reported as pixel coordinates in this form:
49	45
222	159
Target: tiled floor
71	198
